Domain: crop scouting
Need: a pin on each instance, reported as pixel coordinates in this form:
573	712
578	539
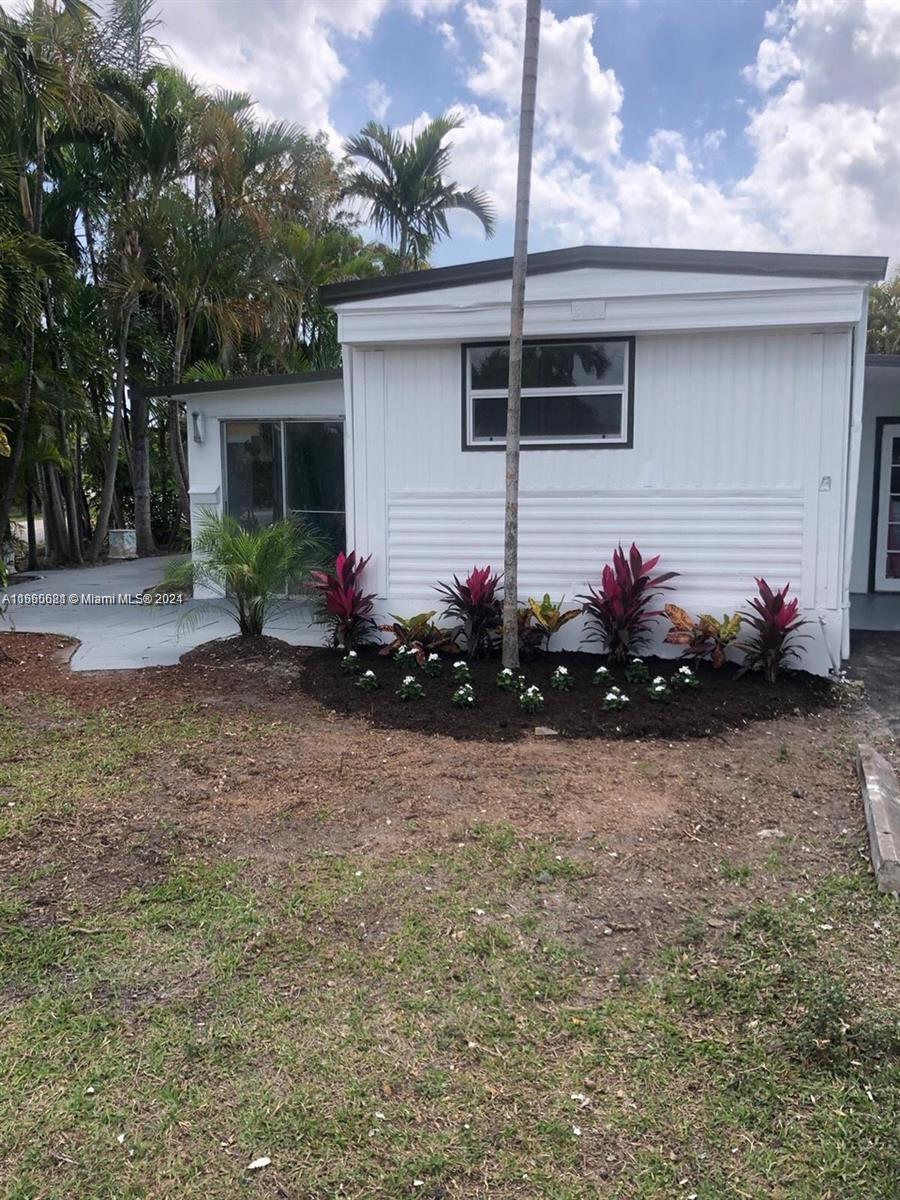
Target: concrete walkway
875	659
92	605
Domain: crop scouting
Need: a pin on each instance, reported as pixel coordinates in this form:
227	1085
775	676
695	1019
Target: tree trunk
140	472
33	213
516	322
115	437
32	532
53	543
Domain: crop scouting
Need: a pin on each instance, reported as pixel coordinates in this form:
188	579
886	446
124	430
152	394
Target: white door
887	539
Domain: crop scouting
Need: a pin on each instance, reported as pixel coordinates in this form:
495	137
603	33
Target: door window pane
253	472
314	465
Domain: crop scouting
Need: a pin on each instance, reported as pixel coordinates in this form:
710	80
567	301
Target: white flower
370	674
433	657
561	671
505	671
460	663
659	679
409	679
611	696
352	654
685	671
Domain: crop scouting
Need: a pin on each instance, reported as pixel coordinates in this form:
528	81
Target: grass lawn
444	1014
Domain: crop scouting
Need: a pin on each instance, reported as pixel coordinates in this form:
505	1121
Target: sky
723	124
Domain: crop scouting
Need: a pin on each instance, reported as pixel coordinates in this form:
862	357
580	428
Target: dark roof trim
630	258
883	360
235	385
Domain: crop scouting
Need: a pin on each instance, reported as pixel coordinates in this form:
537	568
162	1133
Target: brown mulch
653	817
721	702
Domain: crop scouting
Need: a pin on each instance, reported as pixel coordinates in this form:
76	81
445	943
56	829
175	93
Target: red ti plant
342	605
618	612
776	621
477	606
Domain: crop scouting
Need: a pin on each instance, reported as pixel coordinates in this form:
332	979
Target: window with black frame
574	393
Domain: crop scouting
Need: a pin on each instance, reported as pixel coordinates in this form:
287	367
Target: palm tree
517	315
402	182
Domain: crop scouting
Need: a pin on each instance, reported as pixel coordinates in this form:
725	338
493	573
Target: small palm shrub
707	637
342	605
476	605
618	612
775	621
254	568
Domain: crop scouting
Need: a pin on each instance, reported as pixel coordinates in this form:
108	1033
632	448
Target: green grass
370	1024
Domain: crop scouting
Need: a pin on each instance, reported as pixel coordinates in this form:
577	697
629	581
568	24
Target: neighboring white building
707	405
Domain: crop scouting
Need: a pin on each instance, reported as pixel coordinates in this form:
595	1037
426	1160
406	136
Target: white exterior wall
285	401
881	399
737	469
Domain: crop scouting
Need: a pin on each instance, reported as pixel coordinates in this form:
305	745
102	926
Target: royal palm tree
517	316
402	181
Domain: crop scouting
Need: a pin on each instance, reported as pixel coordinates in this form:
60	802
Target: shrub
367	681
531	700
477	606
636	671
410	689
350	663
540	620
464	696
683	679
419	636
775	620
614	700
404	657
659	690
432	665
707	637
506	680
253	568
342	605
618	611
602	677
461	672
561	679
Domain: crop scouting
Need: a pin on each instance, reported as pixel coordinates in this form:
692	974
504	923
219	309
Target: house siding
737	470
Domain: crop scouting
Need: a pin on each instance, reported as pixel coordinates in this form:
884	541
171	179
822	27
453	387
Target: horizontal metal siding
717	540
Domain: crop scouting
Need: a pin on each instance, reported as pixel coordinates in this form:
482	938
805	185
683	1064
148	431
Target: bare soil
661	825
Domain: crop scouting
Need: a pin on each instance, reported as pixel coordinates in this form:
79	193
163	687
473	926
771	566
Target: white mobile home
706	405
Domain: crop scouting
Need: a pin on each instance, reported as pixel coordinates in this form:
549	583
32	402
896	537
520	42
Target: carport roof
234	385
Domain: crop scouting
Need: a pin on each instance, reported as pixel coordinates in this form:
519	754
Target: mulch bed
721	702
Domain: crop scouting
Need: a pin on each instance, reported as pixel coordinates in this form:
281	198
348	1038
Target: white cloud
377	99
448	33
284	55
713	139
577	102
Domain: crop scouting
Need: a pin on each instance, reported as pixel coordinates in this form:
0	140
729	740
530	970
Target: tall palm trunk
140	472
516	322
71	518
115	437
33	214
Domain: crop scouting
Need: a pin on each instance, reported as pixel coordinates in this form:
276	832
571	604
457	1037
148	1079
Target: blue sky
719	123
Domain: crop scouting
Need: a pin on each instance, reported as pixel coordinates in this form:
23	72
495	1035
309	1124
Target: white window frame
625	389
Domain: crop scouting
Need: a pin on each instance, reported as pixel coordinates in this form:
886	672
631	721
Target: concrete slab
875	659
881	799
98	606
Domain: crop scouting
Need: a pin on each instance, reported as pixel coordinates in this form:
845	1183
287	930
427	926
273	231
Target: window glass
253	472
314	465
551	364
551	416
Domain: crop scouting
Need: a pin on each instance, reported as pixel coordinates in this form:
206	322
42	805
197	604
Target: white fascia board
386	321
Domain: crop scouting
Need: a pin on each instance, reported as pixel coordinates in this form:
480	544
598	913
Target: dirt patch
721	702
660	826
